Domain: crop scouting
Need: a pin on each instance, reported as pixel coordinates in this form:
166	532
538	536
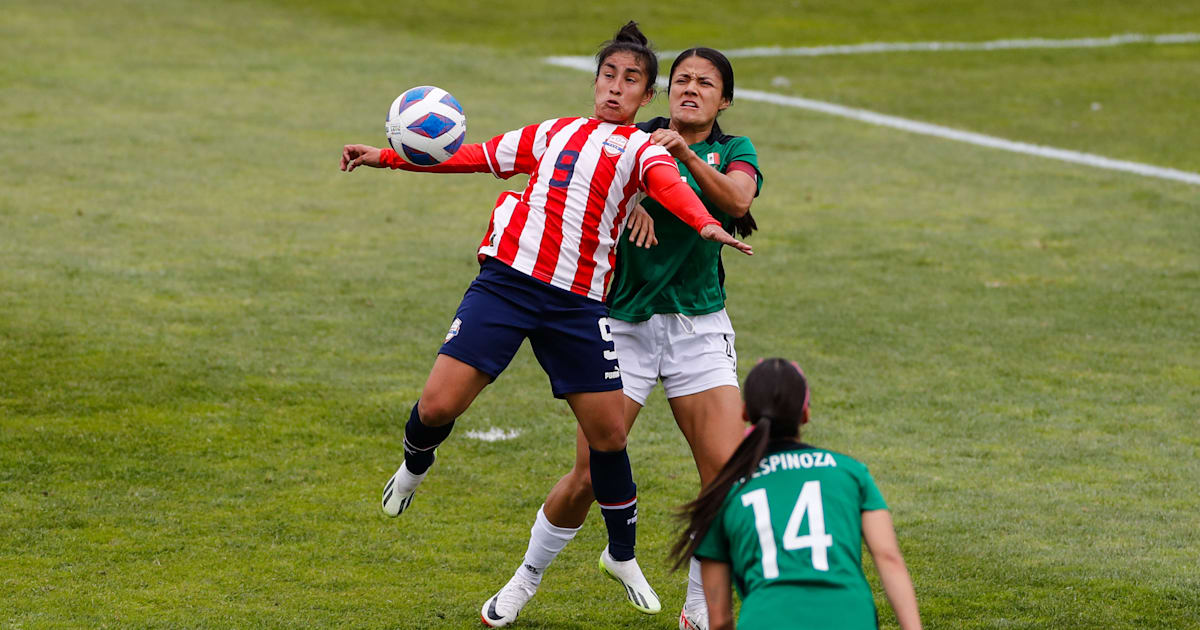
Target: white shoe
693	617
503	608
637	589
398	493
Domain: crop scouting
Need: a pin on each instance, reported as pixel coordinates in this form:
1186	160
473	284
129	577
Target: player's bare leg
711	421
571	498
450	389
557	522
601	418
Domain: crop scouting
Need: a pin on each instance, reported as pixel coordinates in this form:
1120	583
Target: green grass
1080	99
210	337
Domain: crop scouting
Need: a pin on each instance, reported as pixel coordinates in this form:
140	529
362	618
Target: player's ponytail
744	225
630	39
699	514
776	395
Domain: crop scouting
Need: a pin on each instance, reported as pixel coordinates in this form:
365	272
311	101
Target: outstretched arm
469	158
881	541
664	186
718	592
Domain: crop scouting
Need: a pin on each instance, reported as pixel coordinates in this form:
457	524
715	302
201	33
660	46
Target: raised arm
732	192
664	185
897	584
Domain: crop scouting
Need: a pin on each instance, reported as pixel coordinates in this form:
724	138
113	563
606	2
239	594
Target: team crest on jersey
615	145
714	159
453	332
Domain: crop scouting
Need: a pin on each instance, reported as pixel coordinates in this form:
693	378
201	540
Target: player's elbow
738	207
888	559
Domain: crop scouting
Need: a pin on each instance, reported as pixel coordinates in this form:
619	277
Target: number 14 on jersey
809	502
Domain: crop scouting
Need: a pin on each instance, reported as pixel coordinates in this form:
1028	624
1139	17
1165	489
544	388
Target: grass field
210	337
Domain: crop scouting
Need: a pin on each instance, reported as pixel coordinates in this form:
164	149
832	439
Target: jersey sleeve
742	150
665	187
872	498
649	155
715	545
468	159
517	151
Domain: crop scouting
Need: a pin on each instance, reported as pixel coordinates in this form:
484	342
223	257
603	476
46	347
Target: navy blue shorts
568	332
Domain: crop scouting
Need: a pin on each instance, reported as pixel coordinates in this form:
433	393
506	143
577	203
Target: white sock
695	589
545	542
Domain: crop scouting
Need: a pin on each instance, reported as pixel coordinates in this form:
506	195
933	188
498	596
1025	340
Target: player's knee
436	409
612	440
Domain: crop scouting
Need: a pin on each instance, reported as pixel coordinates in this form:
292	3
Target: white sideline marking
969	137
493	435
998	44
882	47
913	126
574	61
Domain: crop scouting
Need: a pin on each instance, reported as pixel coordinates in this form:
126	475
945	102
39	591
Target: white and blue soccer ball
426	125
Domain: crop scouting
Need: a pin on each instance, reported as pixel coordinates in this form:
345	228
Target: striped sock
612	482
420	440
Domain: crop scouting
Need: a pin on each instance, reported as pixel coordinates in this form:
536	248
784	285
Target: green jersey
792	535
682	274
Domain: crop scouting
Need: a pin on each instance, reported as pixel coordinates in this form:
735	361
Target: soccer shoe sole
634	598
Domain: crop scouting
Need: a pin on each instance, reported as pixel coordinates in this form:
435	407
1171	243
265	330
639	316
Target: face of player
695	93
621	88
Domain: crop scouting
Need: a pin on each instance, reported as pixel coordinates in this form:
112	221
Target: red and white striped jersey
584	177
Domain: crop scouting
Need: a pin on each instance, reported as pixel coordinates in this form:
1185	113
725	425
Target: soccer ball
426	125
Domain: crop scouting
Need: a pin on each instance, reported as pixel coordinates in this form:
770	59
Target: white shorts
690	354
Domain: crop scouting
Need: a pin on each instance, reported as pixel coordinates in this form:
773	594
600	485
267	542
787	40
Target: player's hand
356	155
713	232
670	140
641	228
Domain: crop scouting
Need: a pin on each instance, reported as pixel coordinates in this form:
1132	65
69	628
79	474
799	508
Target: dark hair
631	39
776	395
717	59
744	224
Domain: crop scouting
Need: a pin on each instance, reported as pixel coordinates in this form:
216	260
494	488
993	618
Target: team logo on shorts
453	332
615	145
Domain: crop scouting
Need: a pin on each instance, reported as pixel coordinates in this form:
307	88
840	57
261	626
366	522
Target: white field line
998	44
494	434
913	126
884	47
969	137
